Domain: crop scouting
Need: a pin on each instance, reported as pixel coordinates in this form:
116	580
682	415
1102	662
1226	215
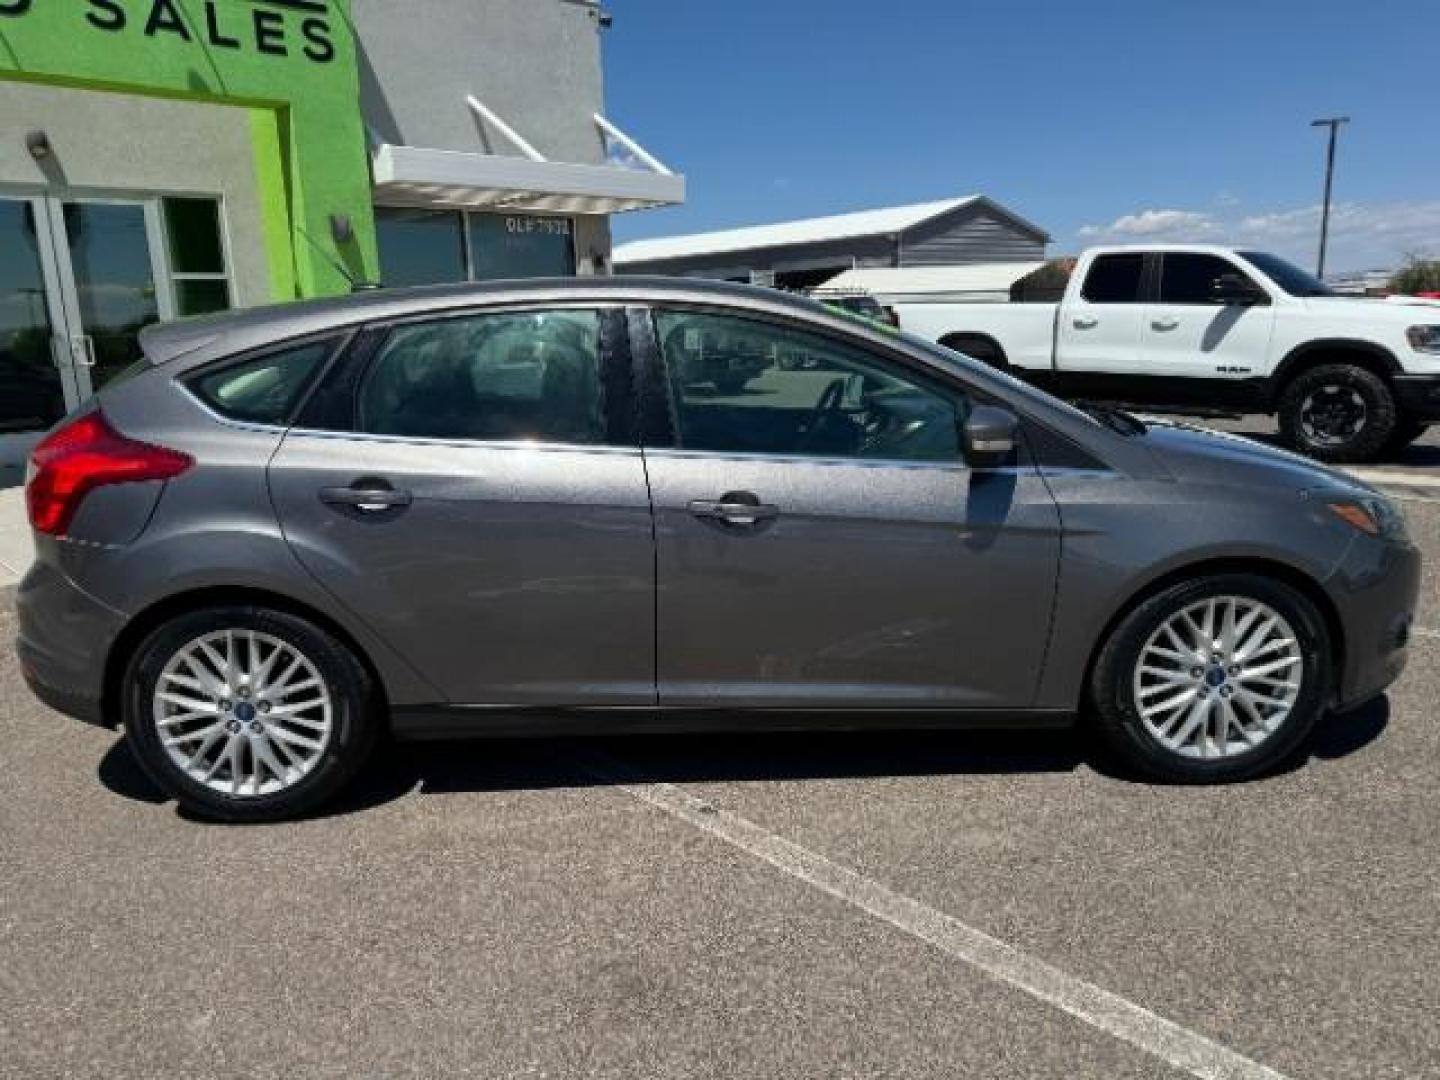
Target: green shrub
1416	276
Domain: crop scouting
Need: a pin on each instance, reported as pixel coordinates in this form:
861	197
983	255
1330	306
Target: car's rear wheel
1338	413
1215	679
248	714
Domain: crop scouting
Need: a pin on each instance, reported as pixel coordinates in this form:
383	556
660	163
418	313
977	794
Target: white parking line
1391	476
1117	1016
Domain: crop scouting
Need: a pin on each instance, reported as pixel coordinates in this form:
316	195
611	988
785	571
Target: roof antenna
355	284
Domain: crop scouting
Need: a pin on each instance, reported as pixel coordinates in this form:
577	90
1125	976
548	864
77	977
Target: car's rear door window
504	376
1114	279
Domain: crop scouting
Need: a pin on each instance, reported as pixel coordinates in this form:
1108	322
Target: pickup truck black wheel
977	348
1338	413
1406	432
1218	678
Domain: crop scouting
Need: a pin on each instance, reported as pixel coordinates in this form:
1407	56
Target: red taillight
83	455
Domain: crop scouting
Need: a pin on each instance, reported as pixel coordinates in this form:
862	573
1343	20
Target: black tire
730	384
978	348
354	726
1368	441
1117	717
1405	433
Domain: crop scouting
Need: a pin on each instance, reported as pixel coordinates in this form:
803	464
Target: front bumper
1375	590
1419	396
64	636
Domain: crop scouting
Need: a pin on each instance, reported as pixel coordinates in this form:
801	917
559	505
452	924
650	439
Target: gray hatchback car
503	509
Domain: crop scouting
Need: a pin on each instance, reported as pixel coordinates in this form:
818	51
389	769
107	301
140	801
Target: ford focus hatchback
511	509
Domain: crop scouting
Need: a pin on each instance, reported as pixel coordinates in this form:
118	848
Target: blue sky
1096	119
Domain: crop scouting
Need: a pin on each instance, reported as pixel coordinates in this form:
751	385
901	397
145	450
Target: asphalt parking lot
937	904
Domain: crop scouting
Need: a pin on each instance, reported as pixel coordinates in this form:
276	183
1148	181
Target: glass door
79	279
107	251
36	388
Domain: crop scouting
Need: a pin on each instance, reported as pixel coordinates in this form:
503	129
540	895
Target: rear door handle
1165	323
1084	322
734	508
367	496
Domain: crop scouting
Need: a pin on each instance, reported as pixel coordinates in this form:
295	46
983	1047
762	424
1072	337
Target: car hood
1201	454
1400	310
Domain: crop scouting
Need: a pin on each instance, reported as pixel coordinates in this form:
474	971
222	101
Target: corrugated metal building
973	229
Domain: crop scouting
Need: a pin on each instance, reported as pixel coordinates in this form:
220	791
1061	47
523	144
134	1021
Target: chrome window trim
830	460
463	444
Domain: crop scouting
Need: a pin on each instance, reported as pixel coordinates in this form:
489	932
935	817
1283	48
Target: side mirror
989	436
1236	290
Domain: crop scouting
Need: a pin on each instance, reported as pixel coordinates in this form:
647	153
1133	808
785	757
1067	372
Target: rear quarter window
262	389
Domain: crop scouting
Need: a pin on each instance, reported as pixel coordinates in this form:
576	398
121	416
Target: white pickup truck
1197	328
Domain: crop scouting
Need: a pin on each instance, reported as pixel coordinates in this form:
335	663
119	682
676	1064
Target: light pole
1333	123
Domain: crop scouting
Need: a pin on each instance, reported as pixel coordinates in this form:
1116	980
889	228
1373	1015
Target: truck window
1188	278
1114	279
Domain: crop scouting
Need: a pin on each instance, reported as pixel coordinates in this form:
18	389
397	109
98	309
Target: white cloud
1152	224
1361	236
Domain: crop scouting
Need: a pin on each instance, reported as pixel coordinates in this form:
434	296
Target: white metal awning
416	176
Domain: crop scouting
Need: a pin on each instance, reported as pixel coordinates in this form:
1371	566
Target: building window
520	246
420	247
431	247
196	246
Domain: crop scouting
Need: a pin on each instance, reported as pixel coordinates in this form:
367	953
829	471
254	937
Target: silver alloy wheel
243	712
1333	414
1219	677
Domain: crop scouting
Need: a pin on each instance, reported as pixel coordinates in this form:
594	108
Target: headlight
1373	515
1424	338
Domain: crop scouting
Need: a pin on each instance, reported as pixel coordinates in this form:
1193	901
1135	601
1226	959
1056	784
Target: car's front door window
747	386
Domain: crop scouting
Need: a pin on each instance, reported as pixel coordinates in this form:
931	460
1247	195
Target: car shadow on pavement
404	769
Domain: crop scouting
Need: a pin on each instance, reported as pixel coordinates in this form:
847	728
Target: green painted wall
291	63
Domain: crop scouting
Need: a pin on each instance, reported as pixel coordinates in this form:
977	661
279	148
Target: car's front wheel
1214	679
248	714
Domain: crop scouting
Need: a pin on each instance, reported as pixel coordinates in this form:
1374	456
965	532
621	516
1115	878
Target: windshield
1287	275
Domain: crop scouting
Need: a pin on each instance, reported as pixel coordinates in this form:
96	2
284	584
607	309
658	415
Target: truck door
1199	349
1097	339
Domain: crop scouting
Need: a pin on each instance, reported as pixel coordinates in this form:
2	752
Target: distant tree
1045	284
1416	276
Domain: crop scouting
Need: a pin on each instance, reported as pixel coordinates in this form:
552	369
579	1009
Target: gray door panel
506	573
873	584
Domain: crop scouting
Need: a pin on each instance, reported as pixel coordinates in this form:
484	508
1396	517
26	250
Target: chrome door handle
1166	323
1084	322
733	511
367	499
